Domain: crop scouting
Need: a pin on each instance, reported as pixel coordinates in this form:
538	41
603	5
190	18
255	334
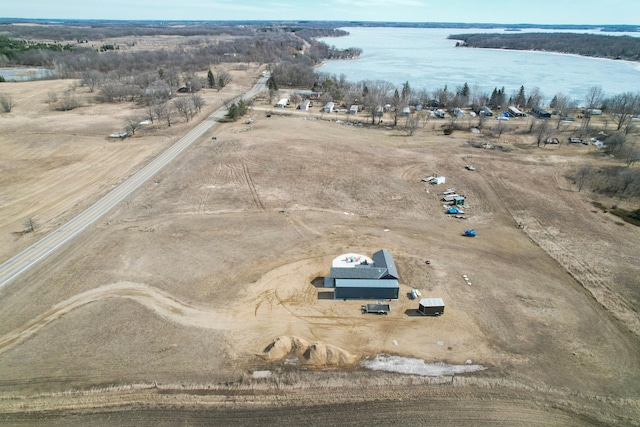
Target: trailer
382	309
450	197
431	307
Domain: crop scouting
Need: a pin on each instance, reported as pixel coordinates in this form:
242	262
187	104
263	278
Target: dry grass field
161	312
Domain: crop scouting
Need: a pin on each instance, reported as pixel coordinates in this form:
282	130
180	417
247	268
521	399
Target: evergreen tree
271	84
406	91
211	79
465	91
520	99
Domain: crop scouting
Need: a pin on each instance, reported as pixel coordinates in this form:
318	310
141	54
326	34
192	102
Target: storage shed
328	107
304	106
438	180
458	200
431	306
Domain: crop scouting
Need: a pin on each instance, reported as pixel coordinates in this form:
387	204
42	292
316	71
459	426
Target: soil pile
309	354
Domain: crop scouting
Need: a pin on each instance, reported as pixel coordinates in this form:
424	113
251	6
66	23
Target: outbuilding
358	277
328	107
353	109
458	200
304	106
282	103
438	180
431	306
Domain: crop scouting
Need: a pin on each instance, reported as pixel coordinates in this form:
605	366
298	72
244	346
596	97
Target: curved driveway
21	262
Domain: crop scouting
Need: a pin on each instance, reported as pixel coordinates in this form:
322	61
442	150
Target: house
328	108
305	105
282	103
355	276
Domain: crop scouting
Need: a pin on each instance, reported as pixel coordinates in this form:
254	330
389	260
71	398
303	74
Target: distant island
593	45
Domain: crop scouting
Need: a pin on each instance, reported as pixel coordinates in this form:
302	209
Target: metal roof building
377	280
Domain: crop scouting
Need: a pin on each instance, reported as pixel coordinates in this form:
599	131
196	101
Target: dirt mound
316	354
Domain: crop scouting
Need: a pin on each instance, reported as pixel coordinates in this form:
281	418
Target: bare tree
223	78
92	79
375	95
622	107
184	107
500	128
30	225
166	111
6	102
412	124
583	175
535	99
197	101
542	131
131	124
593	100
562	105
633	155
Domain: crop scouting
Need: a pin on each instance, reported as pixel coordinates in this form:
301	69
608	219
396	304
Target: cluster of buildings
358	277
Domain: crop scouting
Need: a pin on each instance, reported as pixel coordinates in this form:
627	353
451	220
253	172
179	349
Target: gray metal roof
366	283
383	268
384	259
432	302
358	272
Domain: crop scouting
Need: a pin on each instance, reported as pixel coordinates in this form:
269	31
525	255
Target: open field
171	300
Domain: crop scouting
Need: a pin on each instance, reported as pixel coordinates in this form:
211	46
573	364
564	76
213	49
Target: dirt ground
172	299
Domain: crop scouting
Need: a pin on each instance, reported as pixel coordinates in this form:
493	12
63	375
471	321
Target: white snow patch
405	365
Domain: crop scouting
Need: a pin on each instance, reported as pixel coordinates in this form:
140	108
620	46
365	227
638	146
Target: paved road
21	262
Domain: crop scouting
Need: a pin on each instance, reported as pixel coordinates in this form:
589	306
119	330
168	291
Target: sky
592	12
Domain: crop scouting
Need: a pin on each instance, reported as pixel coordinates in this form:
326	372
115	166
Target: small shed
431	307
282	103
458	200
353	109
304	106
328	108
438	180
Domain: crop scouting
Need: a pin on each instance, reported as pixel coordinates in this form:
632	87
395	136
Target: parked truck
376	309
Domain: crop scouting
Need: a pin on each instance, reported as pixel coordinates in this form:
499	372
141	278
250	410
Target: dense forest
595	45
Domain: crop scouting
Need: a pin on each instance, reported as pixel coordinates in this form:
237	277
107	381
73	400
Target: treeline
12	49
594	45
99	30
257	43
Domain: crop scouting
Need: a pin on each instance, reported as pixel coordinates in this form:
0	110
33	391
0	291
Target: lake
24	74
428	60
